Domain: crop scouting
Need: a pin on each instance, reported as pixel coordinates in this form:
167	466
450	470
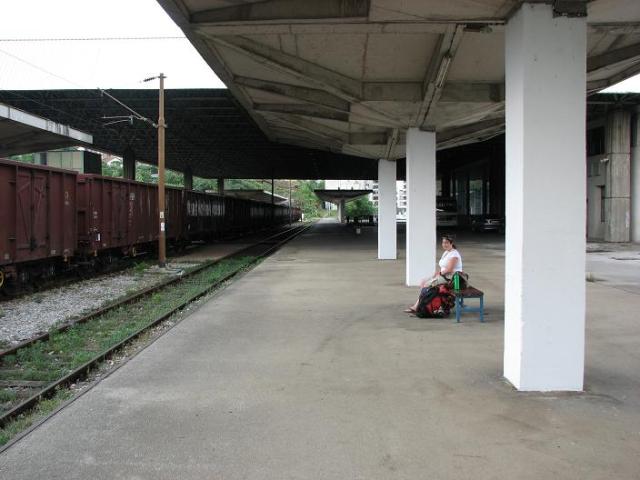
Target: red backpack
435	302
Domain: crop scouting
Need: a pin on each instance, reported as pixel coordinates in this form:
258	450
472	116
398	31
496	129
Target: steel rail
134	297
50	389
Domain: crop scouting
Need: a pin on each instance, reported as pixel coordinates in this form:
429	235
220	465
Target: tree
361	207
305	198
113	169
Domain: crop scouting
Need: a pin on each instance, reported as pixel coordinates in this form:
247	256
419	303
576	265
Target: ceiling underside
336	196
19	131
350	76
208	132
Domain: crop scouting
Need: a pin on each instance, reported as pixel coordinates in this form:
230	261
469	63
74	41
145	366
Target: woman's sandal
409	310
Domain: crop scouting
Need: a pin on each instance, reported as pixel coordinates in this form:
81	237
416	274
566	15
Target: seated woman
450	262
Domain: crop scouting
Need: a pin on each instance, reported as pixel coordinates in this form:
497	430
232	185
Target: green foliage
113	170
360	207
25	420
26	158
305	198
149	174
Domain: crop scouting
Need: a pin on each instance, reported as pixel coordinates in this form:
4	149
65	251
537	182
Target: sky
53	64
91	64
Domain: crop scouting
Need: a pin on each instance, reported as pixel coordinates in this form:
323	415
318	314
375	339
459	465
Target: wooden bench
466	293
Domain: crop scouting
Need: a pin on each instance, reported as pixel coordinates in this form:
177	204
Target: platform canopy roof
351	76
257	195
208	132
20	131
336	196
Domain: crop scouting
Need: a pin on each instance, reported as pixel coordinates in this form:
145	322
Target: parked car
446	219
487	223
446	211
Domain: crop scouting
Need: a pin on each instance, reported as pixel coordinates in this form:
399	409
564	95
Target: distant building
401	193
81	161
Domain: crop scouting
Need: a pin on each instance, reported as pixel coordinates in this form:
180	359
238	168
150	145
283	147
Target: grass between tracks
63	352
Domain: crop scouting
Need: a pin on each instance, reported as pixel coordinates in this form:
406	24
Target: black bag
435	302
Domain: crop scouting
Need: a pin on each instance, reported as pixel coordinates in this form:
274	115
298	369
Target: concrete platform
306	368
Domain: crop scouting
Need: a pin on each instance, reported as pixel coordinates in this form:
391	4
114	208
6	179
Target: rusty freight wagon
53	219
37	220
120	217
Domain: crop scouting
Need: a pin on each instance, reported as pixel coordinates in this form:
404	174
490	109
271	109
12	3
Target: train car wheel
1	279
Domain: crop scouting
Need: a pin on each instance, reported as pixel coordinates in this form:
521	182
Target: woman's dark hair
449	239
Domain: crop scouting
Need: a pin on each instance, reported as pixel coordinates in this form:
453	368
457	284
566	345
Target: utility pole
162	245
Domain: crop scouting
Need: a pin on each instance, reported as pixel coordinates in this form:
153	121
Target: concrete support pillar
341	210
617	190
635	178
221	186
545	200
188	178
387	236
421	205
129	165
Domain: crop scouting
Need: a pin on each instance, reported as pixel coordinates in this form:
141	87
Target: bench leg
482	308
458	308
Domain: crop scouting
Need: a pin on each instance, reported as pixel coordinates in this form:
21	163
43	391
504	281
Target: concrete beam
437	72
392	141
368	138
451	92
604	60
310	95
380	91
319	77
323	27
472	93
344	87
295	122
595	85
304	109
289	10
289	134
457	134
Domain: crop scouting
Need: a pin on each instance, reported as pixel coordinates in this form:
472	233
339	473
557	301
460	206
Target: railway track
48	362
71	276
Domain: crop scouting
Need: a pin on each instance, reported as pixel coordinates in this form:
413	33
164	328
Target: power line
88	39
103	92
33	65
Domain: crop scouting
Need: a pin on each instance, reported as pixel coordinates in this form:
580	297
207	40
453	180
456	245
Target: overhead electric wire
88	39
33	65
102	91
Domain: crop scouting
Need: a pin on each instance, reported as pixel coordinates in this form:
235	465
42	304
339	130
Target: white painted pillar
635	178
545	200
421	205
387	236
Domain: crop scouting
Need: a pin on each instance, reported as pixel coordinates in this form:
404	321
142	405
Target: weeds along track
36	370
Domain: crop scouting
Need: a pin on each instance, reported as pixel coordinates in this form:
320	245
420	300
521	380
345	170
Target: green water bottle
456	281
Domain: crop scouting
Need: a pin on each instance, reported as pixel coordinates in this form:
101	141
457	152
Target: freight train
54	220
